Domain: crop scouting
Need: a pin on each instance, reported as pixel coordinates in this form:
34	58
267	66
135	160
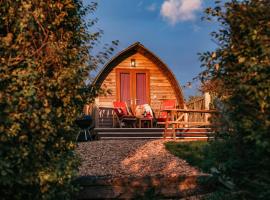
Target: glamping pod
135	76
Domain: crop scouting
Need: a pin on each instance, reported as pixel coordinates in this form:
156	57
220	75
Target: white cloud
152	7
180	10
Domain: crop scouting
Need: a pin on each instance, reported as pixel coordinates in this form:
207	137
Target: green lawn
195	153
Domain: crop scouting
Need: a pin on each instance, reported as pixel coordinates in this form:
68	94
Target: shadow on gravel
148	187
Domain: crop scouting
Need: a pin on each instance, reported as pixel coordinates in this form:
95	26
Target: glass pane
141	88
125	87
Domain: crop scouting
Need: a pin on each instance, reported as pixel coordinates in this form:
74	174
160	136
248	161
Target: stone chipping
131	158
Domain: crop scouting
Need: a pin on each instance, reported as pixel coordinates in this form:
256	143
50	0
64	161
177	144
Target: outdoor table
145	119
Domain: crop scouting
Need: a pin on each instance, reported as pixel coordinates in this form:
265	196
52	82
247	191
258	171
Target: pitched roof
139	48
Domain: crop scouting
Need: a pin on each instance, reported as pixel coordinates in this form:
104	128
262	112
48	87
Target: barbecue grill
86	124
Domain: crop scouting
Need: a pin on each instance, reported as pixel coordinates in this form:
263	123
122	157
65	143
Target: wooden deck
152	133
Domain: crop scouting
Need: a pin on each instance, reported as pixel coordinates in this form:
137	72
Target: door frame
133	84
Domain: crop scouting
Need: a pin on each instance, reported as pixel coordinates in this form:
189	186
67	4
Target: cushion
161	119
148	111
121	105
163	115
149	115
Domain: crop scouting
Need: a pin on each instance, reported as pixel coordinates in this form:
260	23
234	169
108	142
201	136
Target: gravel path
123	158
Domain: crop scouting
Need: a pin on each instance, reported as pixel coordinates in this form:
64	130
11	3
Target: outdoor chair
124	115
162	116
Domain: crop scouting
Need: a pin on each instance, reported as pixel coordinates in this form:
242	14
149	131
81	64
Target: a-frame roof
139	48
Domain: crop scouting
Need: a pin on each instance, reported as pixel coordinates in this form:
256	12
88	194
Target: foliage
241	66
45	59
210	158
192	152
206	155
202	154
193	98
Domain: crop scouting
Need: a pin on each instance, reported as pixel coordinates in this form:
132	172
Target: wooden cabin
137	76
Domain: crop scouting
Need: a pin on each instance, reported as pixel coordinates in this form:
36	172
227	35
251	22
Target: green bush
241	66
192	152
202	154
44	66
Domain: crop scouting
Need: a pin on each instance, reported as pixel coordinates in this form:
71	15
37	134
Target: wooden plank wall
160	87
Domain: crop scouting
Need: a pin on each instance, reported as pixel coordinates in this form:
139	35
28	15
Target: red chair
166	104
124	115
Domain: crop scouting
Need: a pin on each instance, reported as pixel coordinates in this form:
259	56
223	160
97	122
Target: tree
241	66
46	57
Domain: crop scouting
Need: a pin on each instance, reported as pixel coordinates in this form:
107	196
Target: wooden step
151	129
151	133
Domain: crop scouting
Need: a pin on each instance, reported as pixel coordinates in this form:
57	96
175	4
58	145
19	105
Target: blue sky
172	29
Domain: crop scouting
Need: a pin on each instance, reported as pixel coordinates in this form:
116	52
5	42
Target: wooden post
166	125
174	132
113	117
207	100
96	113
173	118
185	116
166	128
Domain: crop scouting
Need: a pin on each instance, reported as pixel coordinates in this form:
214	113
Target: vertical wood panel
160	87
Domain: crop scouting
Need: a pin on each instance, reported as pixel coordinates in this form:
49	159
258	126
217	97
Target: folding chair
123	115
162	116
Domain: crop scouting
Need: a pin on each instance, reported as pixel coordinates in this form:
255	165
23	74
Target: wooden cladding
150	81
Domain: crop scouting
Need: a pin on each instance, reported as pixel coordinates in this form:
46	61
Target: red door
141	87
125	92
133	87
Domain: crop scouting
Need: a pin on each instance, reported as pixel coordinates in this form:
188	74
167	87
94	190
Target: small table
145	119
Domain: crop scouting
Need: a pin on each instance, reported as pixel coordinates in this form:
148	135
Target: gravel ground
123	158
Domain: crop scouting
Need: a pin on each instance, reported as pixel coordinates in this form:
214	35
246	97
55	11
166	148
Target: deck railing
201	105
195	114
179	118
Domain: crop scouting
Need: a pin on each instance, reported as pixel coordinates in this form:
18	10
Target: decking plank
153	133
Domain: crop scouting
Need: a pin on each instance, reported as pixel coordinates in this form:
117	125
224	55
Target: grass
207	156
195	153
